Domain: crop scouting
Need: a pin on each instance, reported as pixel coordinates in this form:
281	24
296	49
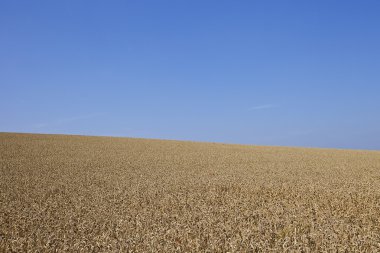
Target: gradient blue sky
295	73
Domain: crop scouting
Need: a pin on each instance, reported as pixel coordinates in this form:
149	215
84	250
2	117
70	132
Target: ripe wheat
102	194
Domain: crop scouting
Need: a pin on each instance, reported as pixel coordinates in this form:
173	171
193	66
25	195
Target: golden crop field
62	193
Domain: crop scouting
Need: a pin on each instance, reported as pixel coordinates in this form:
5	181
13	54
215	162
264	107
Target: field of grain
102	194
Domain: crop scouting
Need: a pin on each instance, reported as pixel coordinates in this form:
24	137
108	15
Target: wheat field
61	193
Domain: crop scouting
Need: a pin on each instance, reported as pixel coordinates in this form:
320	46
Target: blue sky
294	73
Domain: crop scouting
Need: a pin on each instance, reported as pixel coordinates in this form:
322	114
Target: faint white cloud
301	133
40	125
62	121
262	107
71	119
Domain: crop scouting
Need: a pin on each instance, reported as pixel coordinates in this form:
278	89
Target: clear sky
294	73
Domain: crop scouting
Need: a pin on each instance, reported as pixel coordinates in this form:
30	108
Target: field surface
100	194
